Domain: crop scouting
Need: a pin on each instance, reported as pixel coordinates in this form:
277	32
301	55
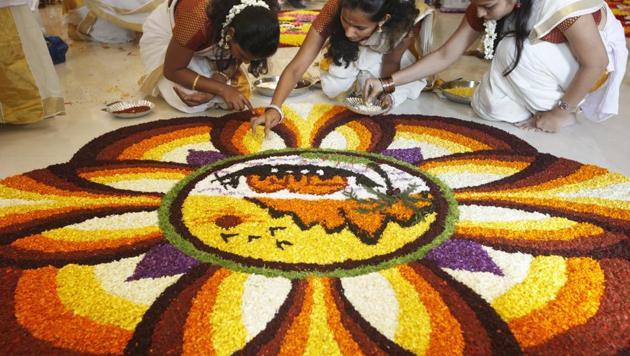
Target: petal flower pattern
338	234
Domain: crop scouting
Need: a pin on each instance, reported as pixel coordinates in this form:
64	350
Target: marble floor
95	74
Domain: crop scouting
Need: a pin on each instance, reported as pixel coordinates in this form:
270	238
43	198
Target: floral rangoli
294	25
338	234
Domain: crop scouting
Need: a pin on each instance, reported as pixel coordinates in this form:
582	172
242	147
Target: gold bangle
388	85
195	82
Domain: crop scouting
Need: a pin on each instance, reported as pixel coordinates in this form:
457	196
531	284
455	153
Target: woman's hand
372	89
195	98
235	99
270	118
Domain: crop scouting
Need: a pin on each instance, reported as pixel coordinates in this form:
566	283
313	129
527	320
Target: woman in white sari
370	37
192	51
552	57
108	21
375	53
30	90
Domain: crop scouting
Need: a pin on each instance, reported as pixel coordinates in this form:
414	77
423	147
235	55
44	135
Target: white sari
109	21
546	69
157	34
338	80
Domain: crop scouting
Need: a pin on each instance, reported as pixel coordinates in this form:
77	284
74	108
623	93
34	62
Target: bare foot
528	125
551	121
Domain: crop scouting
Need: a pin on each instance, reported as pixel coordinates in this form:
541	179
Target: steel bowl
267	86
130	108
357	105
458	84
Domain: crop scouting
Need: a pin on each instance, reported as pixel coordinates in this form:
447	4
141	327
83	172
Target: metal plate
266	86
120	108
356	104
458	84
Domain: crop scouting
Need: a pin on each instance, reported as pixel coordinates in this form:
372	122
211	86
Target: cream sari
29	86
157	34
338	80
109	21
546	69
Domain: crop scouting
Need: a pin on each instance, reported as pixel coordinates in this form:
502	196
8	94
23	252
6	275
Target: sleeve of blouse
557	34
191	28
324	21
338	79
471	17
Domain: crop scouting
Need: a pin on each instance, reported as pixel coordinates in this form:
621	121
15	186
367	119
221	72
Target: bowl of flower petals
359	106
267	86
459	91
129	109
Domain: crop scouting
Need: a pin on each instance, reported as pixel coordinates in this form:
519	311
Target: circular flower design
305	212
340	234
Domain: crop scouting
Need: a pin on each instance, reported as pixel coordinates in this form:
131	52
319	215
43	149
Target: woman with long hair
549	58
192	51
370	37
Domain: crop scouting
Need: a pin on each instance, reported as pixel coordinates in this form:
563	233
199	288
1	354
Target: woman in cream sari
552	57
382	44
109	21
29	86
363	38
192	51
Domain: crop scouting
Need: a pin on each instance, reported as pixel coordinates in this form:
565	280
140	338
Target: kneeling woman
365	36
552	56
192	51
357	51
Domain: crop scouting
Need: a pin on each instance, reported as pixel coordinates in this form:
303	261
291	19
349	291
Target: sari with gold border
29	86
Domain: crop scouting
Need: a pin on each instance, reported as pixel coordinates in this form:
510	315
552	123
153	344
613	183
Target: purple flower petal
409	155
200	158
465	255
161	261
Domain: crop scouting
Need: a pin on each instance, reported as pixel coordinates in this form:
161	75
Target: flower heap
488	39
235	10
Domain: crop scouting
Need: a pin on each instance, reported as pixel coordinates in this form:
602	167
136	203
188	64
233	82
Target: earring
517	5
379	28
225	42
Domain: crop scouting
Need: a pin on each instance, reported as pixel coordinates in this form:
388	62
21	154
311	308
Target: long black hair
519	16
402	15
256	29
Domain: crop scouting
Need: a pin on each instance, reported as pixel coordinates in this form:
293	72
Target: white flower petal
374	298
262	297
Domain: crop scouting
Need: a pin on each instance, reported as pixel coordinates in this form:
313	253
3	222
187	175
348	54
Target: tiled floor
95	74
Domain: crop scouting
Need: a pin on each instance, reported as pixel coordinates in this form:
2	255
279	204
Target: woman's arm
588	49
305	56
433	63
176	70
391	60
